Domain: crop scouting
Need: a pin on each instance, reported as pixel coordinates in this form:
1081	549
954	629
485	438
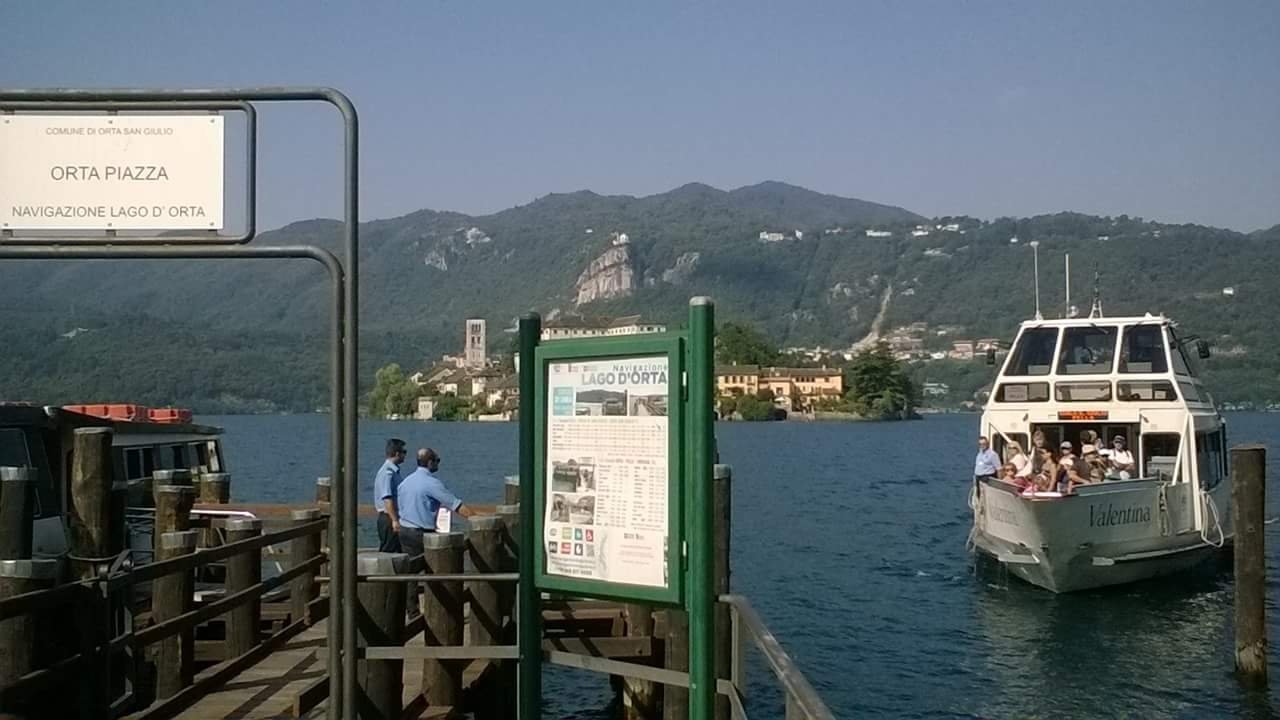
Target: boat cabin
1129	377
145	440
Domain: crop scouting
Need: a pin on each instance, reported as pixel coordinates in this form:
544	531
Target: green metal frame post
529	624
700	535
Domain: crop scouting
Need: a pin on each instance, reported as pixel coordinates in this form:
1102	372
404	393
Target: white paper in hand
443	520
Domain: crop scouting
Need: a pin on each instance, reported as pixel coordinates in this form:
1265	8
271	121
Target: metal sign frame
344	327
12	236
667	345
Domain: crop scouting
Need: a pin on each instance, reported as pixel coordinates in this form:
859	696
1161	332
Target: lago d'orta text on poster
607	470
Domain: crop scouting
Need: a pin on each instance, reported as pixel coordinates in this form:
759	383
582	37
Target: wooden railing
108	663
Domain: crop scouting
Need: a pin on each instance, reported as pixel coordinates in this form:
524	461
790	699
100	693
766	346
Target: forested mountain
795	263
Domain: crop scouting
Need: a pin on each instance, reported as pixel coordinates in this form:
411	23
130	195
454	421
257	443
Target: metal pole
1035	254
529	625
701	534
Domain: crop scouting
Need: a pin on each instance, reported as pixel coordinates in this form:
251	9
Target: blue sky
1167	110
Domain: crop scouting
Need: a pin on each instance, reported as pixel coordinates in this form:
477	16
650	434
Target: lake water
850	541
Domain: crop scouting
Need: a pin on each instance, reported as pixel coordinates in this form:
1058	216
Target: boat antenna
1035	253
1068	284
1096	310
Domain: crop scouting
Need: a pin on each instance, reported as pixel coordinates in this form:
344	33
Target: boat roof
1087	321
127	432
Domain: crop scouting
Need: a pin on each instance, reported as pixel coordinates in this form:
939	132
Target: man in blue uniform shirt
385	485
987	463
421	496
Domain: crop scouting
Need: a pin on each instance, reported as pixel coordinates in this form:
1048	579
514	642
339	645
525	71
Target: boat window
148	462
1209	459
1181	364
1023	392
1156	390
1190	392
1082	391
1143	350
133	464
1160	455
1033	355
13	448
179	457
1087	350
202	455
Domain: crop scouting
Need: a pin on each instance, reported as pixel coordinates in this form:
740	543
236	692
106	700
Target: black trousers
411	540
388	540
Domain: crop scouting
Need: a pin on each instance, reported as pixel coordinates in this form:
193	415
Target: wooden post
511	490
722	494
1249	505
675	700
380	622
510	516
19	635
485	550
171	596
641	699
304	588
17	512
243	571
90	532
323	490
442	609
173	511
215	488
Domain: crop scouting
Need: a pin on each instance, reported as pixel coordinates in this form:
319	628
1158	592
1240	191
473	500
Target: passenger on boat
987	463
1009	474
385	484
1120	462
1072	470
1044	469
1037	440
1021	463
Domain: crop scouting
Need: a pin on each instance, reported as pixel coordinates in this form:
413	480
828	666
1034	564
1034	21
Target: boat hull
1129	532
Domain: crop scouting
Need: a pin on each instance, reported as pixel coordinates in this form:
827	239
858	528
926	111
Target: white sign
607	471
104	172
444	520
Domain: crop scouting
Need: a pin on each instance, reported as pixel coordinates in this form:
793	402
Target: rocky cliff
611	275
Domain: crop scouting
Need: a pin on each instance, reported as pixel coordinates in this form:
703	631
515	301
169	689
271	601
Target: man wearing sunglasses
420	497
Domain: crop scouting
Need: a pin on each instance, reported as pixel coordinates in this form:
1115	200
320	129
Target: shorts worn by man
420	497
385	485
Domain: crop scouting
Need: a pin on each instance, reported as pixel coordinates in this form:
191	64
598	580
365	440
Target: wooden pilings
641	699
243	571
722	495
380	623
90	530
304	589
215	488
171	596
442	610
324	488
486	551
511	490
17	505
19	636
173	509
1249	503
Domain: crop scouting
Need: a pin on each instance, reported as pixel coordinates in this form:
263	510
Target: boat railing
802	701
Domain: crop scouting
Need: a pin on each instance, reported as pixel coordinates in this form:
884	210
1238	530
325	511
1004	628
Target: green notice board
609	418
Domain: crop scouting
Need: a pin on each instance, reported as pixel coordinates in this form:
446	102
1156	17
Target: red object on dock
114	411
169	415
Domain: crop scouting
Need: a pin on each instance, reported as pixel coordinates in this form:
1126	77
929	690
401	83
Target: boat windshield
1087	350
1143	350
1033	355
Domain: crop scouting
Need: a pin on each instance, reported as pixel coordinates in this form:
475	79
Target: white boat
1128	377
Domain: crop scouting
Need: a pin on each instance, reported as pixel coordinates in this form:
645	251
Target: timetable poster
606	508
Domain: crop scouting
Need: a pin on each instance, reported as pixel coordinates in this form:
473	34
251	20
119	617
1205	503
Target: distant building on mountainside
879	233
573	326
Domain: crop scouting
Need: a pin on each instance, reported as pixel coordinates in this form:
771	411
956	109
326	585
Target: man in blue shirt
421	496
385	485
987	463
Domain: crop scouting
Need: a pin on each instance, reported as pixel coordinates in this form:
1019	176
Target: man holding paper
420	498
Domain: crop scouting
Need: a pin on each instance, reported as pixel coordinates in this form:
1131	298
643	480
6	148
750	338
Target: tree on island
738	344
393	393
877	387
